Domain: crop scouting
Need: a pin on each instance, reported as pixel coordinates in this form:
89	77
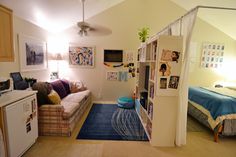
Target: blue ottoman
125	102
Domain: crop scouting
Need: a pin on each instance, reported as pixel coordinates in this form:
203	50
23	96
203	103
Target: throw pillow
59	88
77	87
43	89
66	84
54	97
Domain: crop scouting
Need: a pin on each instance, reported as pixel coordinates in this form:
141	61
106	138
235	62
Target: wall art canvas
32	53
81	56
212	55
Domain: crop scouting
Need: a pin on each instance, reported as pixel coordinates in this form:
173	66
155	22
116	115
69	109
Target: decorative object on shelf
212	55
32	53
143	34
81	56
112	75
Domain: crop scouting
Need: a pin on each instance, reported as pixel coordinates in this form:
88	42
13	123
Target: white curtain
2	150
185	26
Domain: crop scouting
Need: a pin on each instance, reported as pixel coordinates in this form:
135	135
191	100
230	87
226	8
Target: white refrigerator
22	125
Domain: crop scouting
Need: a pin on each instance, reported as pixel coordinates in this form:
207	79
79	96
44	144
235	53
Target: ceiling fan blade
98	30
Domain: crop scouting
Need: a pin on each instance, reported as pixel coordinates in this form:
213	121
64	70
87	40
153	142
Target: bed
215	108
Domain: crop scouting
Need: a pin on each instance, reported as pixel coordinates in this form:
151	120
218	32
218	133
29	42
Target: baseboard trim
105	102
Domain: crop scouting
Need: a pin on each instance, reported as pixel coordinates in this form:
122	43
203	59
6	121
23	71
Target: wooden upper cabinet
6	35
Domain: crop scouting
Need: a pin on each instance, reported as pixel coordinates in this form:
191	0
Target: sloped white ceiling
224	20
57	15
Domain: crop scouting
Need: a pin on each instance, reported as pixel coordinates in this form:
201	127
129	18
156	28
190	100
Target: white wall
203	32
124	20
24	27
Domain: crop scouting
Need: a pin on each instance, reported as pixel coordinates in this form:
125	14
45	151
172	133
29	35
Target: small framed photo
54	76
32	53
81	56
174	82
163	83
112	76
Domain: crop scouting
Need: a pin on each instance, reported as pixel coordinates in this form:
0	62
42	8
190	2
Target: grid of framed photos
212	55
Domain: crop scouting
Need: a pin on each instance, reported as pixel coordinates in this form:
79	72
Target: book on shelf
150	110
151	91
149	128
152	72
154	50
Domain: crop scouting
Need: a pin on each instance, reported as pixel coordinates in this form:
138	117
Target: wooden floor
199	144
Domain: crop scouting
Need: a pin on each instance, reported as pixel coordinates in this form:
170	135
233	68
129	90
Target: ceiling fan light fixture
83	32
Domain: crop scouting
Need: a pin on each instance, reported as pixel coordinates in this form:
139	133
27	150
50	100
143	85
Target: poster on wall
174	81
169	65
212	55
165	69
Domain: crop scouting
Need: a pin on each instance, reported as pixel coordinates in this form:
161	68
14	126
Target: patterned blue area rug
109	122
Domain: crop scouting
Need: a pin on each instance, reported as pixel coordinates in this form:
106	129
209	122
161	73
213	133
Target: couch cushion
76	97
70	108
59	88
72	102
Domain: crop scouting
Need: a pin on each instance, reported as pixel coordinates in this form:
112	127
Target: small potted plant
143	34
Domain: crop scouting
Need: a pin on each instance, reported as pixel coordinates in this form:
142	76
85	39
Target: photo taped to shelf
164	69
174	81
163	83
169	55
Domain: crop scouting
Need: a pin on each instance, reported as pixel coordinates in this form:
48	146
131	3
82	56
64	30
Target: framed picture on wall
32	53
81	56
212	55
112	75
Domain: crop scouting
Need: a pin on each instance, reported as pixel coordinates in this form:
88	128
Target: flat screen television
113	55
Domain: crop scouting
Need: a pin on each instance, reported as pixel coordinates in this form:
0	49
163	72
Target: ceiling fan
87	29
84	26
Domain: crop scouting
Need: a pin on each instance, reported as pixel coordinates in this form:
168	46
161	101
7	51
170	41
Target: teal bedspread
217	104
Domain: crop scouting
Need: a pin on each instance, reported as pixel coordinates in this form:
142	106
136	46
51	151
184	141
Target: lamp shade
55	56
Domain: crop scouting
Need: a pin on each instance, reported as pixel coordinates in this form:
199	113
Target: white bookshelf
158	114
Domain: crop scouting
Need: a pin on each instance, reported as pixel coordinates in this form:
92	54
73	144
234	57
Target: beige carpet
194	126
199	144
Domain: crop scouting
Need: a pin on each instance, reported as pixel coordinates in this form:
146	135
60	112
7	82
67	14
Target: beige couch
60	120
